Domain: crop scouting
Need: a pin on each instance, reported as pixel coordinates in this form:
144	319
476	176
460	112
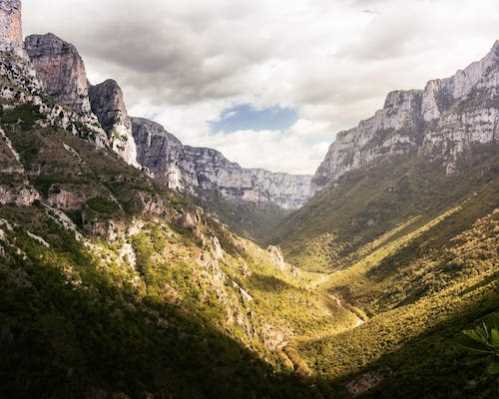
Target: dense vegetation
423	266
336	227
70	329
125	298
254	221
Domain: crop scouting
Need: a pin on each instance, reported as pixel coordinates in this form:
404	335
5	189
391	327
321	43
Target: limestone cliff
59	72
108	104
442	122
201	170
62	70
22	88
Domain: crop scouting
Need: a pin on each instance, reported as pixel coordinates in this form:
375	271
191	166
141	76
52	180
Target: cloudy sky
267	82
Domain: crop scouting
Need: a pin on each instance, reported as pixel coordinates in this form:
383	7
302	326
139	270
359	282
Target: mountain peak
50	55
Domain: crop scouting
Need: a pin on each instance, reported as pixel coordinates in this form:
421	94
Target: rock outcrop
60	67
62	72
202	170
11	33
108	104
443	122
21	86
15	188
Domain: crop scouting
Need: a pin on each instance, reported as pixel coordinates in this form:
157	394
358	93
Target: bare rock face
394	130
61	69
159	151
277	258
11	33
199	170
108	104
442	122
66	200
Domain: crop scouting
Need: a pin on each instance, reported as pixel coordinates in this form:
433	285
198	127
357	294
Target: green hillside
341	223
132	291
420	273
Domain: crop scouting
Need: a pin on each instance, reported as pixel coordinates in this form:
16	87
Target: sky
267	82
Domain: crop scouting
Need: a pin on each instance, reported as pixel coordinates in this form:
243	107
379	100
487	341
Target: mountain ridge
412	121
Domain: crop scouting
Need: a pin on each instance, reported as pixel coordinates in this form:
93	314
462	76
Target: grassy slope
74	325
154	311
340	223
427	274
418	313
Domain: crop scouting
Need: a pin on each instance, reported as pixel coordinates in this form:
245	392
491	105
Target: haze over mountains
126	270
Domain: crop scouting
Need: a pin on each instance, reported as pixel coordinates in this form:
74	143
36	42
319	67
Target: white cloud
183	63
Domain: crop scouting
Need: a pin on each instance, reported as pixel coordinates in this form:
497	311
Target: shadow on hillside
432	365
58	341
439	236
268	283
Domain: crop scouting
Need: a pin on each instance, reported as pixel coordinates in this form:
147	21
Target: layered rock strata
201	170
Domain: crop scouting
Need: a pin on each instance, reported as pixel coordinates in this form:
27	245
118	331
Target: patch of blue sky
248	117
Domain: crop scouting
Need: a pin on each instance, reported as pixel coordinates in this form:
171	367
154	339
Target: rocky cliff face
23	91
61	69
11	34
198	170
442	122
108	104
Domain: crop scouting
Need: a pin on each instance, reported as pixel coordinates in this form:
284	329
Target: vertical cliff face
394	130
442	122
61	69
11	34
108	104
203	170
210	170
160	152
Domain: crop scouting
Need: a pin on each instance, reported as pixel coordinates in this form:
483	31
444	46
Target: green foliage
411	255
332	230
103	205
484	341
26	115
69	329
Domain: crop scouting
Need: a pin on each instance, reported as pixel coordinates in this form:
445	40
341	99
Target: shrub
484	341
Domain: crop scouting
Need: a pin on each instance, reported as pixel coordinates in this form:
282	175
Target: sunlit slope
420	285
341	223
